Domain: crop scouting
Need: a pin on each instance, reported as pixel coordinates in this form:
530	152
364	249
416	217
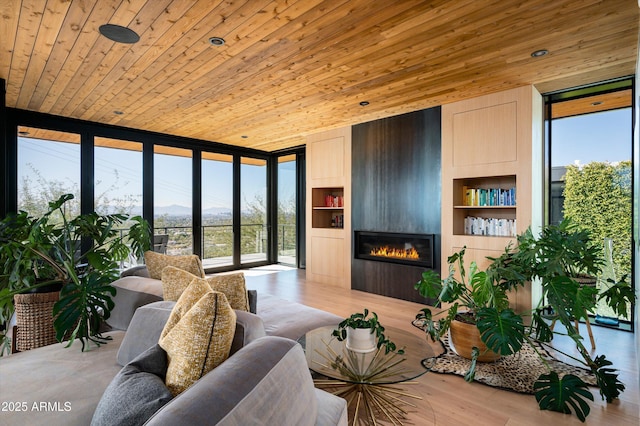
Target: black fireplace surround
401	248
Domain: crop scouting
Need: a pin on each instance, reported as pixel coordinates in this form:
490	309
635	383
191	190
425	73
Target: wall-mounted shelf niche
327	207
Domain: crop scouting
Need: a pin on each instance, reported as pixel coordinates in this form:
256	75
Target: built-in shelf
327	207
496	214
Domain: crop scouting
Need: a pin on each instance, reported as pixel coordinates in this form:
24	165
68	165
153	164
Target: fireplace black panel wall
396	187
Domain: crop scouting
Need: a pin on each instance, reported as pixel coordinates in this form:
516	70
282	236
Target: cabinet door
485	136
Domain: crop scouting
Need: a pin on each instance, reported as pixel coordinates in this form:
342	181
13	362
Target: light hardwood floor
448	399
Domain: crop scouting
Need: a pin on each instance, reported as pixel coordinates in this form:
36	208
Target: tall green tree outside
597	196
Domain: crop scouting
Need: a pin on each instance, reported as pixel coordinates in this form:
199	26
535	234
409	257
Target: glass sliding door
287	202
48	167
172	198
253	210
217	210
591	173
117	176
118	181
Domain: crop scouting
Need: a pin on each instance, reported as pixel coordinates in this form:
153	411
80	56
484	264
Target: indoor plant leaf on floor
563	394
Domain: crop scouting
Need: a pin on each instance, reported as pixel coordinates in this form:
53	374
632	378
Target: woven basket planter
34	320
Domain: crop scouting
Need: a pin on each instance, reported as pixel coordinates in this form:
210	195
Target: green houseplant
77	257
362	320
554	258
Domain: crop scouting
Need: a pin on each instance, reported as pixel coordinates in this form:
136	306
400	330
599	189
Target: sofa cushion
136	392
265	383
175	281
68	379
156	262
197	336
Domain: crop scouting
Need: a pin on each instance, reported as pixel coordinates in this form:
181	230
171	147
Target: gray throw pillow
136	392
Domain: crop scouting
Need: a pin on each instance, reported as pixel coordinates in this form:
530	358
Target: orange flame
387	251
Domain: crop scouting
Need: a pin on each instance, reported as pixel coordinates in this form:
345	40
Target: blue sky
603	136
60	162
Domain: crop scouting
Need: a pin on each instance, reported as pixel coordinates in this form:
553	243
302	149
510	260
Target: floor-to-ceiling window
117	176
164	178
590	162
48	167
172	197
287	202
254	234
217	210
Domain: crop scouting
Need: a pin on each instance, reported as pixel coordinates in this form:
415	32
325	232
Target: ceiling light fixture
118	112
216	41
23	133
539	53
596	103
244	137
119	34
364	103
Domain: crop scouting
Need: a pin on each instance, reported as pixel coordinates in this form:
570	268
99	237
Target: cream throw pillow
197	336
156	262
175	281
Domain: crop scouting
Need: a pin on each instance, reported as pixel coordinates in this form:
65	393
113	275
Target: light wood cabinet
328	225
490	142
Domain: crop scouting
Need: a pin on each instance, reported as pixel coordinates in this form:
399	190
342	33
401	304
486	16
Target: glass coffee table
369	381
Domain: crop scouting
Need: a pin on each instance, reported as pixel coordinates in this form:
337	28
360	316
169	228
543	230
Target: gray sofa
265	380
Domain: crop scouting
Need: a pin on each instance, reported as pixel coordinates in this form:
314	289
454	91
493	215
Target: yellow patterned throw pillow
234	287
198	335
175	281
156	262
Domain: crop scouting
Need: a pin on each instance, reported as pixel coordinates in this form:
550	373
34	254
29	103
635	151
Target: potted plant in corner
364	333
477	303
554	258
77	258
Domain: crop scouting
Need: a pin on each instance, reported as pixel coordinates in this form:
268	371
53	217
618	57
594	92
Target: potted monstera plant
76	259
555	258
476	303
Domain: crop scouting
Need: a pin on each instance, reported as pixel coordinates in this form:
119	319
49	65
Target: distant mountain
214	211
176	210
172	210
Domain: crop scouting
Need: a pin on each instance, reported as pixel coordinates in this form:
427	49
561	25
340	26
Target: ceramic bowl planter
362	340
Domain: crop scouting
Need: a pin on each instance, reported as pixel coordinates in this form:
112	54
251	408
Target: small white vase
361	340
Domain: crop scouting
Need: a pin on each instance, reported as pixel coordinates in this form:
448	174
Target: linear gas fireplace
406	249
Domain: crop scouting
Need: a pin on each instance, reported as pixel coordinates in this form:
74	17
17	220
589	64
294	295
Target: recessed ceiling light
119	33
216	41
539	53
596	103
364	103
244	137
118	112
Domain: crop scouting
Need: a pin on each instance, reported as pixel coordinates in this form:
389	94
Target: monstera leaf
562	395
501	331
82	308
610	386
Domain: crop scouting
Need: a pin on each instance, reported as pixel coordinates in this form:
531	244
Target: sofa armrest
266	382
149	320
131	293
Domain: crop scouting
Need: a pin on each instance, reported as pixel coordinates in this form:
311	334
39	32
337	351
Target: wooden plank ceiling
292	68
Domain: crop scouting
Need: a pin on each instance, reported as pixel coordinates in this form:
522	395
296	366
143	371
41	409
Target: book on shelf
488	197
490	226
